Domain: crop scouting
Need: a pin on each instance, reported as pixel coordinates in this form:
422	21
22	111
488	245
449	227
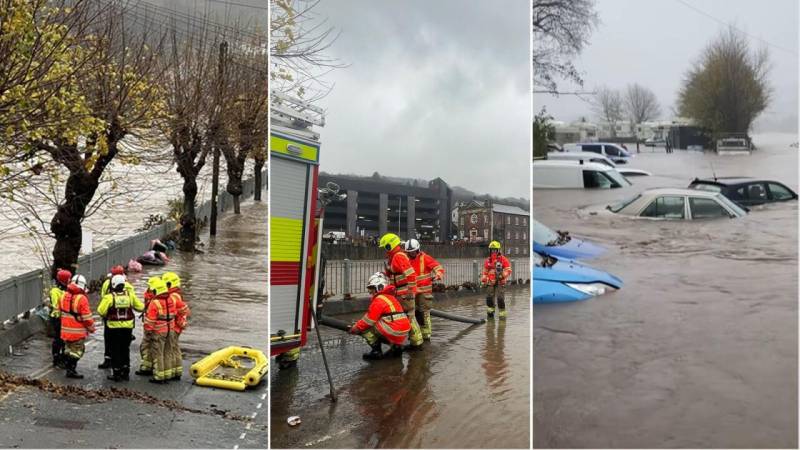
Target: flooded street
226	289
469	388
699	347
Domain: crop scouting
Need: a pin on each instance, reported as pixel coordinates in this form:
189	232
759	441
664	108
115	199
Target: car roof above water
679	191
725	181
571	163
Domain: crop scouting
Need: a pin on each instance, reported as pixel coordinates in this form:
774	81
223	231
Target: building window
516	250
524	235
516	235
508	220
485	218
516	220
486	233
473	219
524	250
525	221
508	234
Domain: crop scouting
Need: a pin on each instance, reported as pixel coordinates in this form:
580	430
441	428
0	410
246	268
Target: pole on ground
223	47
322	351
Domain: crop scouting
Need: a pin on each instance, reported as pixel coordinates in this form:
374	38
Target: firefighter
496	269
56	292
76	323
146	361
173	282
117	310
403	277
159	321
105	288
384	322
427	270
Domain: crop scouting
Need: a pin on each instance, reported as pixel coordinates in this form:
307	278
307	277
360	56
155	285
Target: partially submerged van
615	152
596	158
576	175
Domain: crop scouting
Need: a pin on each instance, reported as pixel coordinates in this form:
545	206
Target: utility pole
223	47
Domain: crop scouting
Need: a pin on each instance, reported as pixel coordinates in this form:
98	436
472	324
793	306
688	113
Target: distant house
485	221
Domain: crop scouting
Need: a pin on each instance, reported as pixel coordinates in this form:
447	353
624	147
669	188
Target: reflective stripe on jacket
76	317
489	269
401	273
162	313
426	268
182	314
118	309
386	314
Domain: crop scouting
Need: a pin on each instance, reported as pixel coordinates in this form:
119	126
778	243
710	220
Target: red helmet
117	270
63	276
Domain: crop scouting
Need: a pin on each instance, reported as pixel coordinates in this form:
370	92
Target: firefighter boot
501	304
116	376
106	364
394	351
374	354
72	364
490	307
419	314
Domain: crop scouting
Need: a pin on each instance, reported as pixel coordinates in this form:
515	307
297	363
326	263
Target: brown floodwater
699	348
469	388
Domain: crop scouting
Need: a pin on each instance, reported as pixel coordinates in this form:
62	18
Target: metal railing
348	278
21	294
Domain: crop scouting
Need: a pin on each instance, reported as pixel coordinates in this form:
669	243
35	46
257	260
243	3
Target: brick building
485	221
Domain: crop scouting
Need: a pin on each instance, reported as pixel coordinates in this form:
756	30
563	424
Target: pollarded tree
729	87
607	104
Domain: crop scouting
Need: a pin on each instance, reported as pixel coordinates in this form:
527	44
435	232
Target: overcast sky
655	42
433	89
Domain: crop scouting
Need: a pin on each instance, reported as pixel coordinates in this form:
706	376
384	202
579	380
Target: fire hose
345	326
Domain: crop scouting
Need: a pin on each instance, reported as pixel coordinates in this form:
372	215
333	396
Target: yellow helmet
172	279
494	245
389	241
157	285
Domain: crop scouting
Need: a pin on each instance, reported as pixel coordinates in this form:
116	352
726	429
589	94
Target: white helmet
117	280
80	281
411	245
378	281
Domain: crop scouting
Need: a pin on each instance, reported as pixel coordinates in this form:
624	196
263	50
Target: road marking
259	406
241	436
248	426
236	447
254	415
263	397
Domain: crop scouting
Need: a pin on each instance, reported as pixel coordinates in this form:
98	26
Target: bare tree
729	87
561	29
607	104
641	104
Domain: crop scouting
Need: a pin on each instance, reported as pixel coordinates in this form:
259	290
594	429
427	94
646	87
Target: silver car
678	204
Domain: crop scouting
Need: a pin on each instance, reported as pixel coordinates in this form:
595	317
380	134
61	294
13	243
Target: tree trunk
234	187
258	167
66	223
188	234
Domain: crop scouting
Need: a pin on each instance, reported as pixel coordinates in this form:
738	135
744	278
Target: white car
678	204
595	158
615	152
576	175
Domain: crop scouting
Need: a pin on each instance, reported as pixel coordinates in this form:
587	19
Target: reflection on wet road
469	388
699	348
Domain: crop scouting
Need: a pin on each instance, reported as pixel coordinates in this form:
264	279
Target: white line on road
241	436
254	415
248	426
263	397
236	447
259	406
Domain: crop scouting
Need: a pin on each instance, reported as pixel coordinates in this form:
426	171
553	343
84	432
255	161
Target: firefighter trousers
146	364
415	334
106	346
174	355
75	349
118	342
496	290
424	303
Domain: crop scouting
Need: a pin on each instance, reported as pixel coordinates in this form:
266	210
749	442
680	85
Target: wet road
699	348
226	288
469	388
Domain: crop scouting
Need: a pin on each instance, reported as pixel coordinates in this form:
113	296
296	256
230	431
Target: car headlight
591	288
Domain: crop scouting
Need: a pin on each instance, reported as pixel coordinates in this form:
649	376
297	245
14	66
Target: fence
346	277
23	293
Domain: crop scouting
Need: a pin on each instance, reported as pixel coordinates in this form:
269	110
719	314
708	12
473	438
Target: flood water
469	388
699	347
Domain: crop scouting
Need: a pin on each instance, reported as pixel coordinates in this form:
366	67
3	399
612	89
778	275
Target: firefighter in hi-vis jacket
384	322
404	278
496	269
428	270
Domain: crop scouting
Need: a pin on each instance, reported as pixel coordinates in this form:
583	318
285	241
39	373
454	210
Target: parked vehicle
678	204
733	146
746	191
561	244
655	141
597	158
554	147
576	175
556	281
615	152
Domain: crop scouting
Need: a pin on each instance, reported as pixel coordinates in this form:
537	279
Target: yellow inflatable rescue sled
233	368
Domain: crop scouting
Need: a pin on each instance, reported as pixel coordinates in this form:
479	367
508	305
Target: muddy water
699	348
469	388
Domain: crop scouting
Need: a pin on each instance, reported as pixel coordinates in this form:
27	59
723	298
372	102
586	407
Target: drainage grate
60	423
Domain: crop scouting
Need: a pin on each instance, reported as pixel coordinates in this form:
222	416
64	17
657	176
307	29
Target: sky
655	42
432	89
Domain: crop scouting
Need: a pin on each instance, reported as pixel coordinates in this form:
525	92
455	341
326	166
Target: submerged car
678	204
557	281
576	175
595	158
746	191
562	244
